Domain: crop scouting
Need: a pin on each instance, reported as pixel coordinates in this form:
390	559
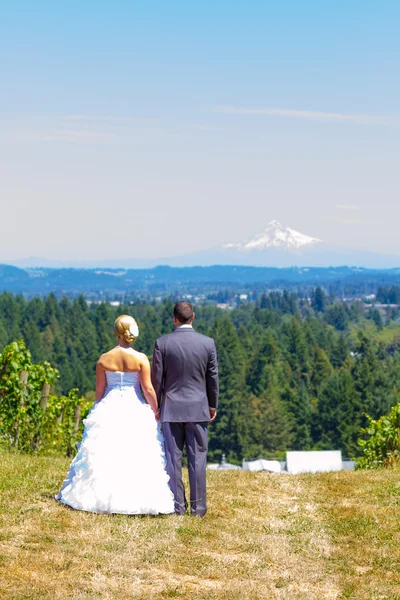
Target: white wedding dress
120	465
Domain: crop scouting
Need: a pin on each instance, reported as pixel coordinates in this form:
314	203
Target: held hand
213	414
157	415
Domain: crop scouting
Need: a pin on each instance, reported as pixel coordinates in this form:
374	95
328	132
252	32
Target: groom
185	378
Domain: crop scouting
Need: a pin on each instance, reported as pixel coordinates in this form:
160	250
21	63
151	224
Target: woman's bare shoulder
141	357
105	357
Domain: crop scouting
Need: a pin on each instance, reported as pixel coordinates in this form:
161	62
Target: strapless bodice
122	379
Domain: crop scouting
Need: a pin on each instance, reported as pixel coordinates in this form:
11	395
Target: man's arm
157	372
212	380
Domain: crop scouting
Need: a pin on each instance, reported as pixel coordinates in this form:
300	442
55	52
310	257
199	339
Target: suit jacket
185	376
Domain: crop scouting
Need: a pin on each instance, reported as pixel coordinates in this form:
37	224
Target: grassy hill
265	536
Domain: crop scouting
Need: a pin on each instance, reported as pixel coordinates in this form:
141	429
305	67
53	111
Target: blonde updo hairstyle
123	328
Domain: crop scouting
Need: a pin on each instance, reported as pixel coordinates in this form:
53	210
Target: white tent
273	466
314	461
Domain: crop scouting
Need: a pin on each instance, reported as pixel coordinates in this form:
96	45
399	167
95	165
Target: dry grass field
265	536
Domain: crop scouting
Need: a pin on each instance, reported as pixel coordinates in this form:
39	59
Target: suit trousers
195	437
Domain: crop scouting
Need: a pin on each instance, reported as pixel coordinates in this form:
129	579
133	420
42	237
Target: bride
120	465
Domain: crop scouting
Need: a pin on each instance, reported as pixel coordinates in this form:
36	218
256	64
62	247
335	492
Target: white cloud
348	207
110	118
76	137
344	221
305	114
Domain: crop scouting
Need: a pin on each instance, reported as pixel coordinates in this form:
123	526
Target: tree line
294	374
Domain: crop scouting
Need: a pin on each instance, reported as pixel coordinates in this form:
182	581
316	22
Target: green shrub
31	418
381	447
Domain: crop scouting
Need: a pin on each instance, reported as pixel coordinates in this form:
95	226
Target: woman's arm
101	381
147	387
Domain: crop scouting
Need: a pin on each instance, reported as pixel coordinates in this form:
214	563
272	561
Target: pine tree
318	300
340	352
103	319
65	363
167	316
340	411
226	435
32	337
301	409
321	369
266	354
12	310
337	315
3	336
270	423
150	327
372	381
375	316
51	315
296	346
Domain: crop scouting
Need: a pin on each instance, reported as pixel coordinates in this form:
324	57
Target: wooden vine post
77	417
45	396
23	377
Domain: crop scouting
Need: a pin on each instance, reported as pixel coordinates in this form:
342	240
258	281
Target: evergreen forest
294	374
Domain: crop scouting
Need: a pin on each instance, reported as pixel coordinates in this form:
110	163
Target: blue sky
158	128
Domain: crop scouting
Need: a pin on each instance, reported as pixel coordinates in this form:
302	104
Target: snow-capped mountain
275	236
276	246
280	246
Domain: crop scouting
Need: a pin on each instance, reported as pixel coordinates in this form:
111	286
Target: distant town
219	285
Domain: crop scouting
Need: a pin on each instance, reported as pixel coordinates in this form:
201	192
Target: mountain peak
275	236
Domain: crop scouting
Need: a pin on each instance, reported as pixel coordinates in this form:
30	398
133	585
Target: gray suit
185	377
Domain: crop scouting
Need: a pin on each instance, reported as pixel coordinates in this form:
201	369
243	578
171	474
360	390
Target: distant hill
165	280
10	275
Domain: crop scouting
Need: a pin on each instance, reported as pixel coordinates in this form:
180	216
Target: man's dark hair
183	311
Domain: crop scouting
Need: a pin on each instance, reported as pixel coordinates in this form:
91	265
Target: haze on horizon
158	129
